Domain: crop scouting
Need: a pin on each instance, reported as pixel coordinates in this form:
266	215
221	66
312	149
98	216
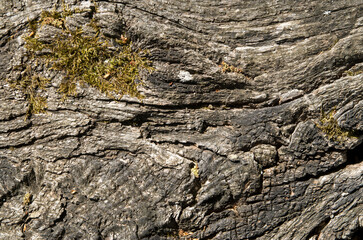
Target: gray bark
99	168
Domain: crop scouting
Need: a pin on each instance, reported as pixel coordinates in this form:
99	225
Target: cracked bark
98	168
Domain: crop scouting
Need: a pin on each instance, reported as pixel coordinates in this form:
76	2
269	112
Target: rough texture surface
96	168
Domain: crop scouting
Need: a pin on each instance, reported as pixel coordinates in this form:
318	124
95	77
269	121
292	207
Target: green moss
56	18
33	45
329	125
32	86
89	60
33	26
27	199
229	68
93	24
352	73
83	59
195	170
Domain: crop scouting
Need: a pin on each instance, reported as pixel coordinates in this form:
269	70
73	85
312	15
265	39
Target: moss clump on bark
195	170
329	125
83	59
229	68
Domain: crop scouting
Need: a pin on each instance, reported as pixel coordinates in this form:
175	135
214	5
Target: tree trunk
251	124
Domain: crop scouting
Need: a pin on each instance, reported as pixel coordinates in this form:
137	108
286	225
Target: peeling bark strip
208	153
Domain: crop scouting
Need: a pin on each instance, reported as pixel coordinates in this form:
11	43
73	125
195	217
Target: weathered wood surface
97	168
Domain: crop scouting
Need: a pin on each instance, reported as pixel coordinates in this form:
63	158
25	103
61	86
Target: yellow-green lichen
83	59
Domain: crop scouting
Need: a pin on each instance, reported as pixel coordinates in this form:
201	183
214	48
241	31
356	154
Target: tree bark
228	142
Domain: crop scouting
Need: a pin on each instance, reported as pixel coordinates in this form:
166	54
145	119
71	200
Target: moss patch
353	73
32	85
84	59
27	199
229	68
329	125
195	170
